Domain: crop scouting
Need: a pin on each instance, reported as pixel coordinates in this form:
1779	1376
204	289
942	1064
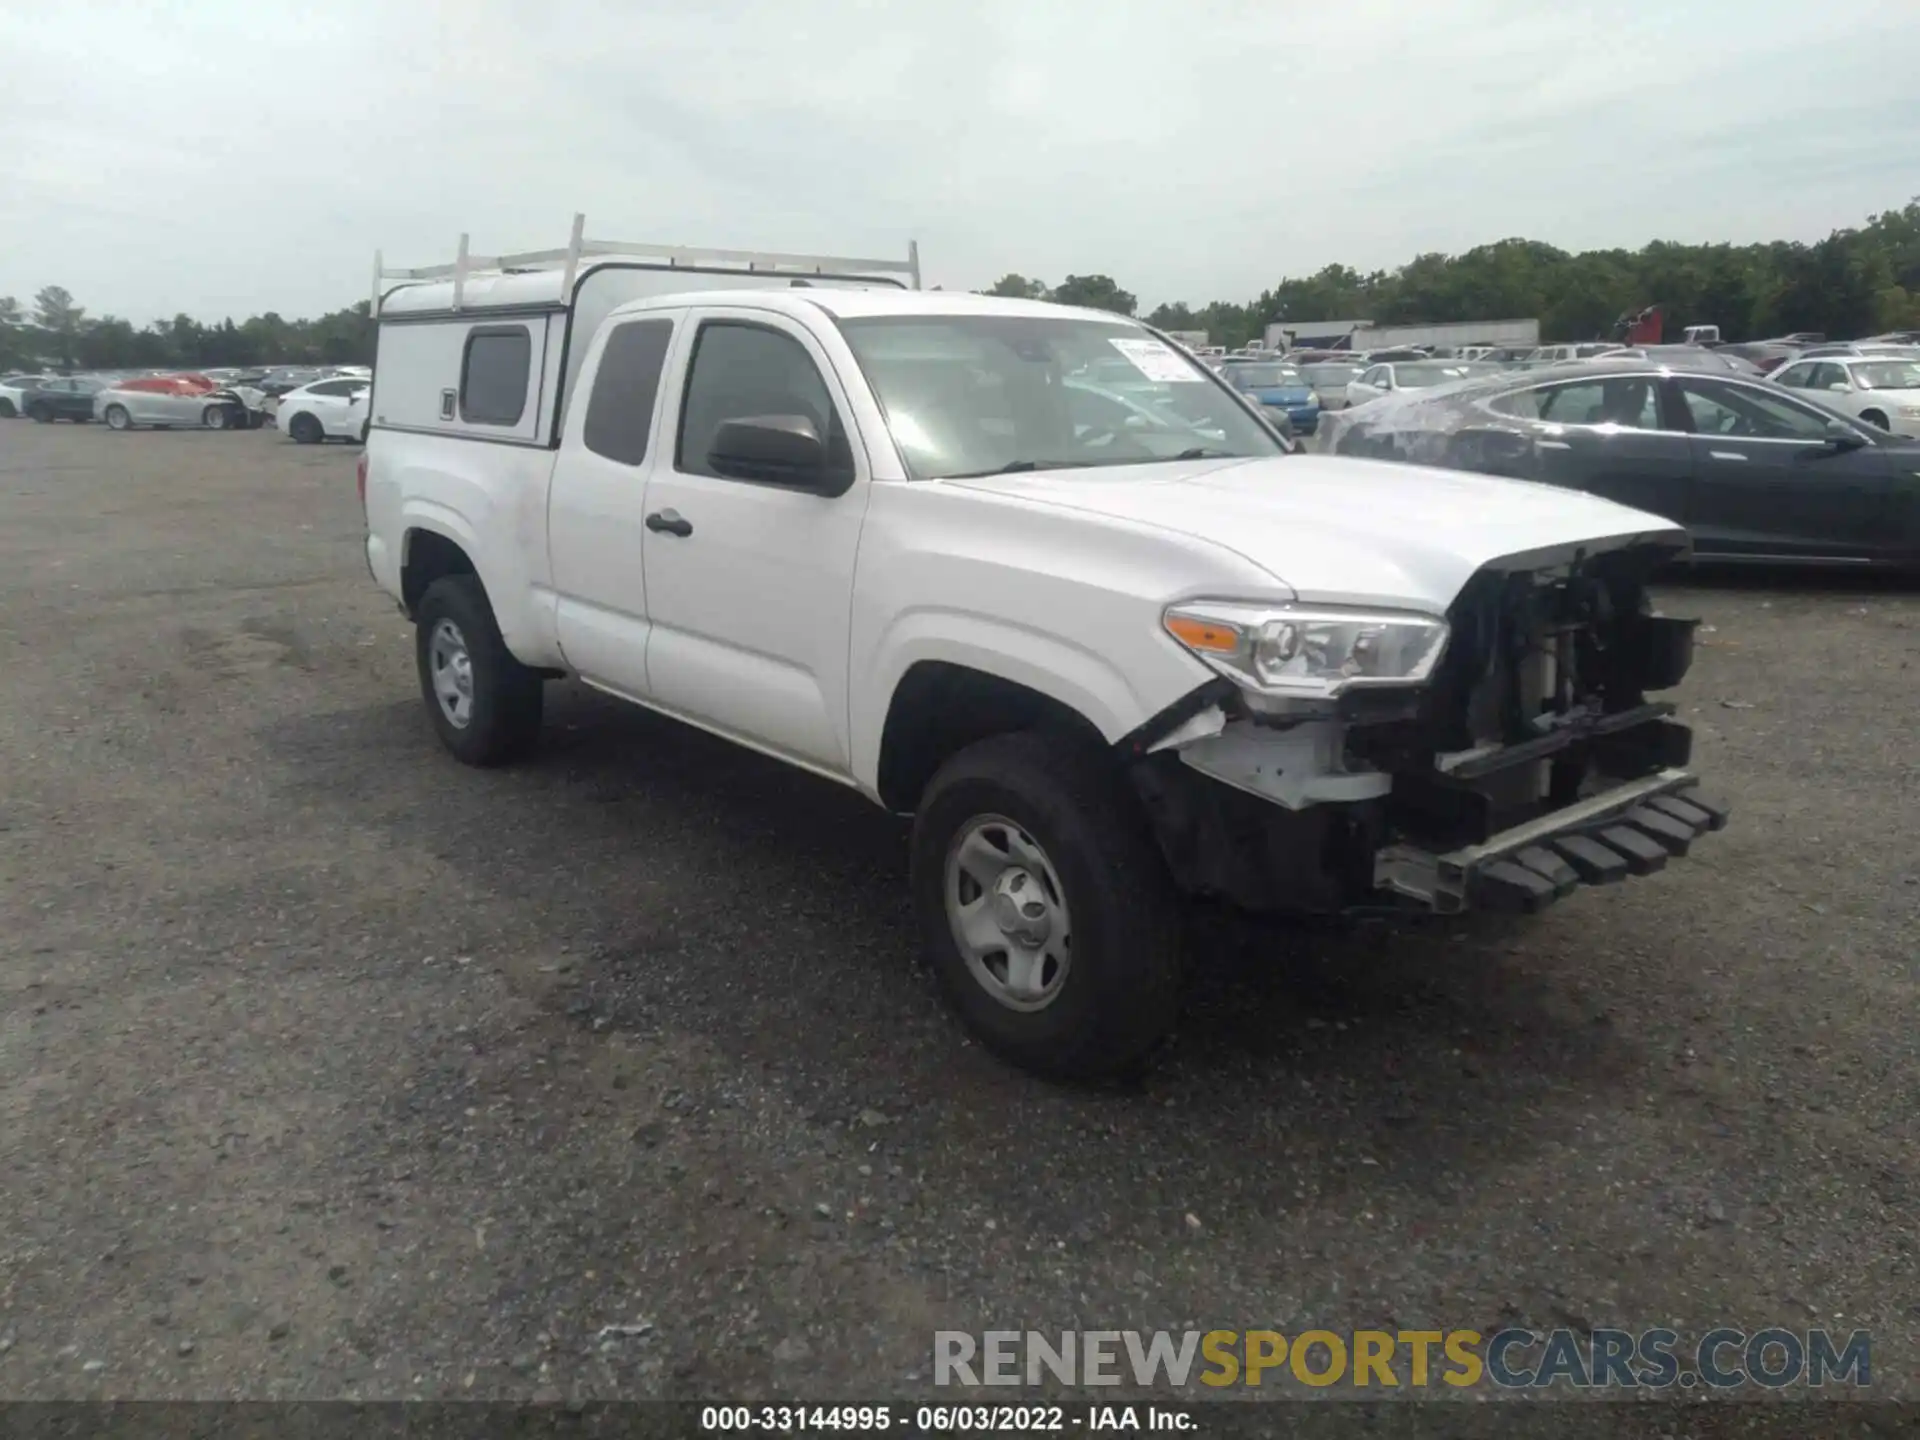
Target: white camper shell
481	349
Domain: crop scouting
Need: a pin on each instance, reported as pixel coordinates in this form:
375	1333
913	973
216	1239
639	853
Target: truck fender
1083	681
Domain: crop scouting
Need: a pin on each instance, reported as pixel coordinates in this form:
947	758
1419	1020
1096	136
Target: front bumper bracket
1631	829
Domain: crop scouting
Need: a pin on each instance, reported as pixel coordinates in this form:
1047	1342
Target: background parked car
1329	379
1882	391
1279	389
63	398
1379	380
325	410
1754	471
13	391
278	382
1686	357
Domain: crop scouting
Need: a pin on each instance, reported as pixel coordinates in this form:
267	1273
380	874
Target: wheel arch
432	549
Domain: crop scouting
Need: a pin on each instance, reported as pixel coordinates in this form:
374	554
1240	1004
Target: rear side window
620	410
493	375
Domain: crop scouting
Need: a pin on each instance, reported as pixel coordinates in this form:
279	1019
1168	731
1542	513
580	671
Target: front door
749	584
1768	479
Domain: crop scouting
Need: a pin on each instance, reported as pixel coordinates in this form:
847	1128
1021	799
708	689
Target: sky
228	157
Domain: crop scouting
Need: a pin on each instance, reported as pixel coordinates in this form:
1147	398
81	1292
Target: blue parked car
1278	387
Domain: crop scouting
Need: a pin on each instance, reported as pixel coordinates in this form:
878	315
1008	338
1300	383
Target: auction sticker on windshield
1156	361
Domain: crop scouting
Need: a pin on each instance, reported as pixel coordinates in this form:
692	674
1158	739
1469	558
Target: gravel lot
330	1068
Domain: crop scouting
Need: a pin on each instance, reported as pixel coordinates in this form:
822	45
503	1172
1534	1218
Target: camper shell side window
494	371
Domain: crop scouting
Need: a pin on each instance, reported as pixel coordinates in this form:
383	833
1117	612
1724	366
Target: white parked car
1883	391
865	532
324	410
1378	380
13	391
1557	354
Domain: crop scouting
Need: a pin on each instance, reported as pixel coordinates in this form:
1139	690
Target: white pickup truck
1095	629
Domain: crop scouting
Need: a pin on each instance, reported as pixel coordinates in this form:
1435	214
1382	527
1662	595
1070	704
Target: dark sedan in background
62	398
1754	472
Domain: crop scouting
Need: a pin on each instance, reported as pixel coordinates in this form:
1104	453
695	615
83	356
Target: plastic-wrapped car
186	402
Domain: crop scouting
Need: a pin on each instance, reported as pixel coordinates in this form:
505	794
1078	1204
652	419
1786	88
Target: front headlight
1314	653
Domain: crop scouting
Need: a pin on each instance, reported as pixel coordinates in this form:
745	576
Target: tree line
1855	282
58	332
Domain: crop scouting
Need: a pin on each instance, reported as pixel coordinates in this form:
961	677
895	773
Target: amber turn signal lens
1207	635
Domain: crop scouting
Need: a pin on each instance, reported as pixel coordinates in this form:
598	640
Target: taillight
360	474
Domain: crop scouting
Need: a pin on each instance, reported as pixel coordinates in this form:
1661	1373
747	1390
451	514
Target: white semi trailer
1365	335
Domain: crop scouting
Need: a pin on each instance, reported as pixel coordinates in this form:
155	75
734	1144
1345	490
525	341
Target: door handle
1555	445
1726	455
668	522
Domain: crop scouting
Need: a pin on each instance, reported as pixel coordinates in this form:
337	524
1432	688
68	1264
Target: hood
1340	531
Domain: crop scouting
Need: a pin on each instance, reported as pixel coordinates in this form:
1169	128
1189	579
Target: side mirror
772	449
1842	436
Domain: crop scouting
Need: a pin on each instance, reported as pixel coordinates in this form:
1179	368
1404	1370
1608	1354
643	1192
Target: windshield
1889	375
983	394
1265	377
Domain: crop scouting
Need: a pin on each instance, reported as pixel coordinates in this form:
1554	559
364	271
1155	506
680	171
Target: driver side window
1744	412
740	370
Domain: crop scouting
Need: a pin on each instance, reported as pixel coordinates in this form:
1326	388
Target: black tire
1120	994
503	723
305	430
7	410
1874	417
366	428
40	414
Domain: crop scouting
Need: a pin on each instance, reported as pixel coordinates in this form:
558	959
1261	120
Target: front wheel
303	429
7	410
40	414
216	417
1875	417
118	419
484	703
1045	909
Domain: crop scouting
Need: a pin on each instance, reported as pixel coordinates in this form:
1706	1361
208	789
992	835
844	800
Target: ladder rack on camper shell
567	260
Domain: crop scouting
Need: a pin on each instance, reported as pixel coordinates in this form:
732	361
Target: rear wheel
7	409
1046	911
40	414
303	429
216	417
1875	417
118	419
484	703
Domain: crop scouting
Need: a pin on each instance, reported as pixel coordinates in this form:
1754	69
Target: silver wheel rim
215	418
452	670
1008	912
117	418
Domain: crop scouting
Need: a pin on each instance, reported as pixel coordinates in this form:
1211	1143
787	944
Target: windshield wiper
1017	467
1206	452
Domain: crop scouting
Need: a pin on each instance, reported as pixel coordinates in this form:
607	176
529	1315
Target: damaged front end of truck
1497	759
